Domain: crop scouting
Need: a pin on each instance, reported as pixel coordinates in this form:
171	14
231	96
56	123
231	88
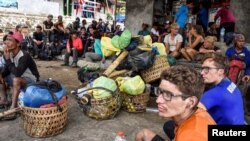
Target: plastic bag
125	64
133	44
147	40
106	83
125	39
160	47
86	75
36	95
171	60
142	61
107	48
115	41
132	86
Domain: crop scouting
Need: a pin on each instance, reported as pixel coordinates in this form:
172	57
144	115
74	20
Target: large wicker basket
44	122
103	108
154	72
135	104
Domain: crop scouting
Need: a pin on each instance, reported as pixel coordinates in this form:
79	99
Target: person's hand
246	78
6	53
69	50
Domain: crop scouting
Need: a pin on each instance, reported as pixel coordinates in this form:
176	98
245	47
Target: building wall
38	7
241	10
138	12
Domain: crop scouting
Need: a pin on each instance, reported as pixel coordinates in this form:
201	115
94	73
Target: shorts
9	80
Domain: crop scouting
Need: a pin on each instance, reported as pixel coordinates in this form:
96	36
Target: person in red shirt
227	19
74	48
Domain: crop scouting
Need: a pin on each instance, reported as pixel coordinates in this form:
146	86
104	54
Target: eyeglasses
167	96
207	69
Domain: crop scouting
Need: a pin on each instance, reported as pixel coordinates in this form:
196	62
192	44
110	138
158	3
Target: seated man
239	51
38	37
178	96
222	99
20	69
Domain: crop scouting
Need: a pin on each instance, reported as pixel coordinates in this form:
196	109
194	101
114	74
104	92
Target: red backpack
236	70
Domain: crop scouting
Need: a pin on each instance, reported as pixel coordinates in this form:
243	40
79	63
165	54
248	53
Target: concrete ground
79	126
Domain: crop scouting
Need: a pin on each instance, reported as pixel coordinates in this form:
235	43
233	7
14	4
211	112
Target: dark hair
97	34
10	33
210	24
189	2
18	26
219	61
198	29
5	37
188	80
50	16
83	28
38	26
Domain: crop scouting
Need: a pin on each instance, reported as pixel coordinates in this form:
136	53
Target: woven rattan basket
103	108
154	72
133	104
44	122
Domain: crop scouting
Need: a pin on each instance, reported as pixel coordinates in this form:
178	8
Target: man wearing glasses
178	96
223	99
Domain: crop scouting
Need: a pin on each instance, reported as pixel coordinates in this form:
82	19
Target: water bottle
222	34
120	136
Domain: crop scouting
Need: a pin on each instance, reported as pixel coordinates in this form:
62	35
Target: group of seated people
189	48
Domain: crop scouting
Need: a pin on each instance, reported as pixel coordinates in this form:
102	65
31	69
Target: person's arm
204	51
166	43
68	47
179	42
217	15
20	69
196	42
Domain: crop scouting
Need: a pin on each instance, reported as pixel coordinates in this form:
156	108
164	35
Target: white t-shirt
172	43
155	32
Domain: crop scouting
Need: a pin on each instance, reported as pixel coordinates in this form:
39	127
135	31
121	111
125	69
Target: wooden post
8	112
118	60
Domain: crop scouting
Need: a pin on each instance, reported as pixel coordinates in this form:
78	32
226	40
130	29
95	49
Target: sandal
9	117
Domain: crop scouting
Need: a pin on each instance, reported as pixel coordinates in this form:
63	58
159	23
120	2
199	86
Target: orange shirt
195	128
77	43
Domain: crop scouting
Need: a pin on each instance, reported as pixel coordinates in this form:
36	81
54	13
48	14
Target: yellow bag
105	83
132	86
161	48
147	40
107	48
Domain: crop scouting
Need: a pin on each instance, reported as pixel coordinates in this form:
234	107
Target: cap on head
18	36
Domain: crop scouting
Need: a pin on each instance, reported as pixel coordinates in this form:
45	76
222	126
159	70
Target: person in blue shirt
203	15
238	51
97	55
181	18
222	99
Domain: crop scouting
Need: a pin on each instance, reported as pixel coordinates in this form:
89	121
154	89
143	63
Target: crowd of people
191	99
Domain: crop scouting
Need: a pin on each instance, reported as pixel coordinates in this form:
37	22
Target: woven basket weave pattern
154	72
136	103
103	108
44	122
